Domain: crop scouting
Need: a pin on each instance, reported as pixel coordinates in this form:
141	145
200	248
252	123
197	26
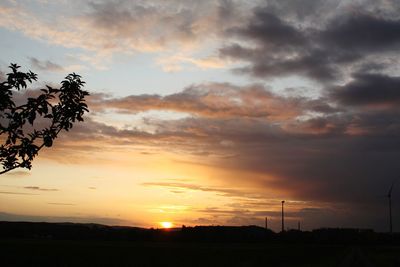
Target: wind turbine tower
389	195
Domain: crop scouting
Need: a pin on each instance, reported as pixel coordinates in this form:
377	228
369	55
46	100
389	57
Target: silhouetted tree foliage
53	110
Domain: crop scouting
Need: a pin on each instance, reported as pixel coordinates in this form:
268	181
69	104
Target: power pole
266	222
283	217
298	225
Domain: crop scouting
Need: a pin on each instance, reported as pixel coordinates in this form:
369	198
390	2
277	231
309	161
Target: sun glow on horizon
166	224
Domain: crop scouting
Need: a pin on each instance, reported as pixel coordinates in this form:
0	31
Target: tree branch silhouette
59	108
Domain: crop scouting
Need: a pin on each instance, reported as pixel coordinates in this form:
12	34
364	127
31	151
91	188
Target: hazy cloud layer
230	192
61	204
37	188
44	65
218	100
15	193
82	219
104	28
17	174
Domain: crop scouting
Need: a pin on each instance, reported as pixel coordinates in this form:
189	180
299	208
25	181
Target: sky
212	112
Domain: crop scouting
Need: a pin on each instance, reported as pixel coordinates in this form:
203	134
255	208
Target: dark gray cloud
271	32
369	89
275	43
309	217
239	213
304	11
280	49
44	65
362	33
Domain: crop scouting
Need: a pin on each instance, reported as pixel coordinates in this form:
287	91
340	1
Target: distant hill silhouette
77	231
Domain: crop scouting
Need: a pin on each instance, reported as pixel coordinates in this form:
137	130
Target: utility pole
283	217
266	222
298	225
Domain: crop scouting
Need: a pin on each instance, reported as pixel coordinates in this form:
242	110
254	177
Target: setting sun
166	224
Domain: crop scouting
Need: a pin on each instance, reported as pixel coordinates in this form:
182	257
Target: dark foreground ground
121	253
30	244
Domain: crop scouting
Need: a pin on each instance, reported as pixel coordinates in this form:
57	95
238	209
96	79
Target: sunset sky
212	112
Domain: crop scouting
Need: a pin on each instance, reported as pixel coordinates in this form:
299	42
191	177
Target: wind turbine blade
391	188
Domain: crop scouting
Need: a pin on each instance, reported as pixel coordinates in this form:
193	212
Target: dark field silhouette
67	244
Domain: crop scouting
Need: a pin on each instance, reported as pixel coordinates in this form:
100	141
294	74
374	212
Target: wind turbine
389	195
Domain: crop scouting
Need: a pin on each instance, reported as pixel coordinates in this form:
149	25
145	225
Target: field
41	252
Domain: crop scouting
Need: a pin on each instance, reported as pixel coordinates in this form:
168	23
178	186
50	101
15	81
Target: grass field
103	253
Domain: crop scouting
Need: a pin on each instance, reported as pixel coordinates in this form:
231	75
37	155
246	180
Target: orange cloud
216	100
